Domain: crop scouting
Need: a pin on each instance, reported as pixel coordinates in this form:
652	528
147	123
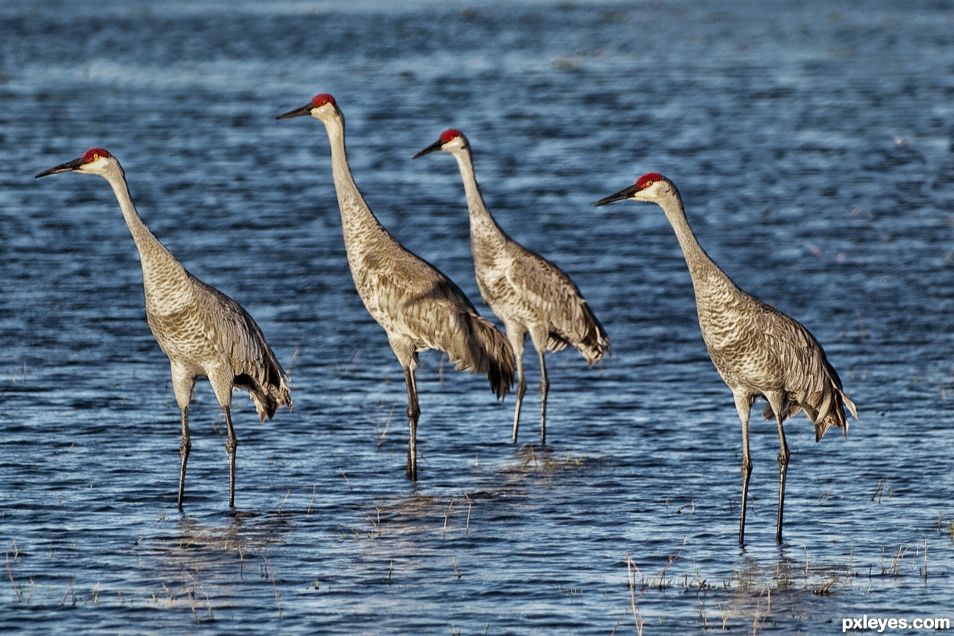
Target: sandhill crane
201	330
758	350
528	292
418	306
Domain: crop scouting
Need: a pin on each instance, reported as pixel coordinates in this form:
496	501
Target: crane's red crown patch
93	154
321	99
648	179
449	134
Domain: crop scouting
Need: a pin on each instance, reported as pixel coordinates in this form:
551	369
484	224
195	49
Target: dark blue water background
812	145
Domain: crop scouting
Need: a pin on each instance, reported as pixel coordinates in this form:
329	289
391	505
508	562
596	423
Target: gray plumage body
532	295
202	331
206	333
526	291
761	352
417	305
757	350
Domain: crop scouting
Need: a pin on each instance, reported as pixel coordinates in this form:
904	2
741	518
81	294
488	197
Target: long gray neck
701	266
164	280
481	221
151	252
357	220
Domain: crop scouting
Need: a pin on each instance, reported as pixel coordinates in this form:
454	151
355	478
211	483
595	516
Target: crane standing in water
528	292
200	329
418	306
758	350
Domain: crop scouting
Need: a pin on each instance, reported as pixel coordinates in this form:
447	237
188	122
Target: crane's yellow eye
95	156
648	183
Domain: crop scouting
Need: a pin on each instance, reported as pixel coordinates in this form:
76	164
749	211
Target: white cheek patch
97	164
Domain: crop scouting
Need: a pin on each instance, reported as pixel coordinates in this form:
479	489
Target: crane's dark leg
783	455
743	405
544	391
183	381
517	344
184	448
413	413
231	443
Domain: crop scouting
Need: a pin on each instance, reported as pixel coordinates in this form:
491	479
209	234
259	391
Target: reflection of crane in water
418	306
200	329
758	350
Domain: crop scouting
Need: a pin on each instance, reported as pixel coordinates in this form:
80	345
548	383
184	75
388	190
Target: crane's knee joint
413	412
746	466
184	447
783	458
231	444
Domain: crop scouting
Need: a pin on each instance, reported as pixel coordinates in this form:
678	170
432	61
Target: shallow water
813	150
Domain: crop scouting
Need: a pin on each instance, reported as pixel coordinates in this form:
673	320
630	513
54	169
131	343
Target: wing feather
810	383
239	341
552	296
417	304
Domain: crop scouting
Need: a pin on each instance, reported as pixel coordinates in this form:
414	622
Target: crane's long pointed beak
625	193
298	112
434	146
69	166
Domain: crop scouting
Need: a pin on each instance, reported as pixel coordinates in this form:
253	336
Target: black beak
625	193
298	112
434	146
69	166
